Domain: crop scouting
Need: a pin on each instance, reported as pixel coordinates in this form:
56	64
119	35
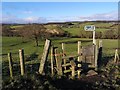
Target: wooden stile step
67	71
68	64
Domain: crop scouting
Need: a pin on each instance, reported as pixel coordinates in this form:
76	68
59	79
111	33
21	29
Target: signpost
91	28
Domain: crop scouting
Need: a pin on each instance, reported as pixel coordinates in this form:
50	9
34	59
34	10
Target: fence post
22	63
10	64
44	56
99	53
58	63
78	73
63	51
73	69
52	72
95	56
116	56
79	53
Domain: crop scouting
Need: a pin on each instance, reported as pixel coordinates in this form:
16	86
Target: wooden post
116	59
63	51
58	63
10	65
52	72
73	69
79	53
44	56
22	63
78	74
99	53
94	41
95	55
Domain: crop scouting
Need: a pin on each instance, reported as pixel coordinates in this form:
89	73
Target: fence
62	64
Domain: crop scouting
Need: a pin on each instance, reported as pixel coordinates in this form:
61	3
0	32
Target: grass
102	27
13	44
16	26
76	31
73	31
33	53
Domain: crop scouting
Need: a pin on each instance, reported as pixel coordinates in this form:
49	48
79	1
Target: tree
6	30
33	31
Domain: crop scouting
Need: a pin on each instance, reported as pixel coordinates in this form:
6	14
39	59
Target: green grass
76	31
13	44
16	26
102	27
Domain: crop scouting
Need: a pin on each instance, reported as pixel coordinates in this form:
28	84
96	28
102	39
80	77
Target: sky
43	12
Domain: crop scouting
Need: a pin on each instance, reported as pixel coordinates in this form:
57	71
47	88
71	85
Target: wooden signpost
91	28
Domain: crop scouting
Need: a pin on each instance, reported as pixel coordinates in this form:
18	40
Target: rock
91	73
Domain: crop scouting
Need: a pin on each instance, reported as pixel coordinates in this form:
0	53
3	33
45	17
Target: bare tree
6	30
34	31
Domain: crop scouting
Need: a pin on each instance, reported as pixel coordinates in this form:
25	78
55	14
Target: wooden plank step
64	65
66	71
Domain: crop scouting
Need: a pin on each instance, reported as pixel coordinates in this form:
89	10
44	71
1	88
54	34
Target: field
34	53
13	44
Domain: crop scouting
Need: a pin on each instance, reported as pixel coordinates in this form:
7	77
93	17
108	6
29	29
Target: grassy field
33	54
13	44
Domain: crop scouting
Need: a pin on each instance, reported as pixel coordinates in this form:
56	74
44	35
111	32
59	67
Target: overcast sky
43	12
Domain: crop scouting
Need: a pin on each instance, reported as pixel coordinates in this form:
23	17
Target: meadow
13	44
33	53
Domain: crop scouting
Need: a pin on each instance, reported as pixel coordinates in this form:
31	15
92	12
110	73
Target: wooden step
67	71
67	64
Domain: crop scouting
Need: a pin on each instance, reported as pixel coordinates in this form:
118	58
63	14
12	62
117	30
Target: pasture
33	54
13	44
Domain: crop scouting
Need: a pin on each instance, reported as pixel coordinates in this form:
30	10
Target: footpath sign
91	28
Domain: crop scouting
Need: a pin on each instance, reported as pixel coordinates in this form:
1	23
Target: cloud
35	20
8	18
15	19
104	16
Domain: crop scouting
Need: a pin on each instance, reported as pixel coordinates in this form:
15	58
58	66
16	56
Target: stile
44	56
10	64
22	63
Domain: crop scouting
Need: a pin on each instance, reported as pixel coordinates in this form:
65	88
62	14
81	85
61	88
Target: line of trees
33	32
37	31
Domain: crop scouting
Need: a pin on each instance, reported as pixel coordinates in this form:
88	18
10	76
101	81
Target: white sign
89	28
